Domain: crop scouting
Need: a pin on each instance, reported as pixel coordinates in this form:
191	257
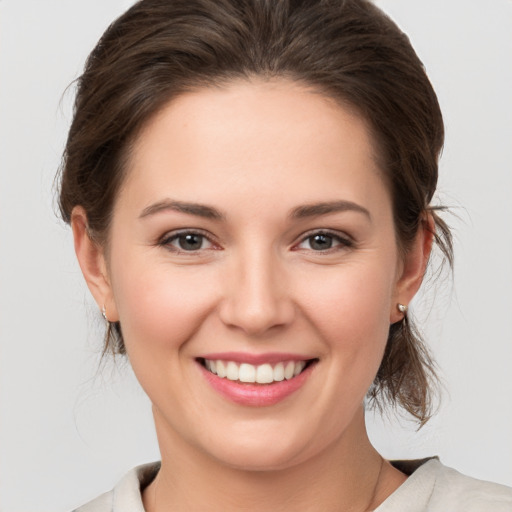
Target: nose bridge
257	298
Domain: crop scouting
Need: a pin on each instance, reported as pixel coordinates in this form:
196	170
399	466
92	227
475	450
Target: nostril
255	317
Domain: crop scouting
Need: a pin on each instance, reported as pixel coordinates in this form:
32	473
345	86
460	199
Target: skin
256	151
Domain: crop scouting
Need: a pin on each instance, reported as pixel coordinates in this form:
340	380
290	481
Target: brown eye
190	242
186	242
320	242
324	241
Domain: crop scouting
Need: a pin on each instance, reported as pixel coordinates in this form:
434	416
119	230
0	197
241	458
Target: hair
347	50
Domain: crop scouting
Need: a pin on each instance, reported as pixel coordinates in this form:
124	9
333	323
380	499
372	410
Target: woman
249	188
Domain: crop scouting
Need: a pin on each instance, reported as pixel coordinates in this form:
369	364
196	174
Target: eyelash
167	239
343	242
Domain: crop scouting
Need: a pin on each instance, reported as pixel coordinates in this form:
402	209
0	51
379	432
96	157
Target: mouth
246	373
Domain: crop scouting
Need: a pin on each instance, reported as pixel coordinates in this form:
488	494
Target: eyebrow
208	212
200	210
316	209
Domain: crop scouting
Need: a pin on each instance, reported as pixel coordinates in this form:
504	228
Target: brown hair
347	49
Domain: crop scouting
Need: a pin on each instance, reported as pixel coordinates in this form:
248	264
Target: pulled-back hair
346	49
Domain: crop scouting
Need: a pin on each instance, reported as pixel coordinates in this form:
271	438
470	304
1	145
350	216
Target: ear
413	267
91	258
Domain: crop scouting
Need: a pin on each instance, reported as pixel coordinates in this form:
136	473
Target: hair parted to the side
346	49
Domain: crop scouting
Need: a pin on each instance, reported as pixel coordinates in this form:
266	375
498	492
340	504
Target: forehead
254	139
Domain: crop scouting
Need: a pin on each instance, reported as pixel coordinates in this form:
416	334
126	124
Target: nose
257	295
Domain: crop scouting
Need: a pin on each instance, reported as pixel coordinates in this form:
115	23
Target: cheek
159	305
350	308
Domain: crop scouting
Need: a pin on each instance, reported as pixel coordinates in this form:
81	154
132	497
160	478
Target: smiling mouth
256	374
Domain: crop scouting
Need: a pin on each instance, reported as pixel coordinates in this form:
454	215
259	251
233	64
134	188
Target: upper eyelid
173	234
331	232
170	236
345	241
185	231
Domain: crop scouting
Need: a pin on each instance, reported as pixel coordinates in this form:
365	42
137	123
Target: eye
186	241
324	241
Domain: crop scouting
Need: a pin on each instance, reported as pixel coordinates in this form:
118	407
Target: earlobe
91	258
413	268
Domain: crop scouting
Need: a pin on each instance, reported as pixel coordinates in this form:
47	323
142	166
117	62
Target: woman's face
254	233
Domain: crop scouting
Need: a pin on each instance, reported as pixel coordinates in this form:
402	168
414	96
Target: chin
262	451
261	459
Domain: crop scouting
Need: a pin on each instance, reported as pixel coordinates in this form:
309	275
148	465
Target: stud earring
104	312
402	308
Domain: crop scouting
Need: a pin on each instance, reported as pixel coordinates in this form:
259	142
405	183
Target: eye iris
190	242
321	242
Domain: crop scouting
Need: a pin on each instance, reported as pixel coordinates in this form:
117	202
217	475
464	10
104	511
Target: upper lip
255	359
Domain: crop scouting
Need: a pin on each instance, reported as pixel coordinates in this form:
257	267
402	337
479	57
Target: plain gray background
68	432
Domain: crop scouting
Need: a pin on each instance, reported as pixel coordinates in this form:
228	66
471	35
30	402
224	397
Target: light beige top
431	487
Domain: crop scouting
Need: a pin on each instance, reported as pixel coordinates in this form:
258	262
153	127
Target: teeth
232	371
289	370
221	369
279	372
247	373
298	368
262	374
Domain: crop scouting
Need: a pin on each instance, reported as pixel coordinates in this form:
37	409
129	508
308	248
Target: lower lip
256	395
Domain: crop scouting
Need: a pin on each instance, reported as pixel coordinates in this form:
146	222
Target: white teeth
289	370
262	374
232	371
279	372
247	373
298	368
221	369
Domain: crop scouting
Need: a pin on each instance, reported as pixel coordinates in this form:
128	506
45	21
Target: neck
349	475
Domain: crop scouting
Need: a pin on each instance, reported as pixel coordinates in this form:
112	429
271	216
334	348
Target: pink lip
255	359
256	395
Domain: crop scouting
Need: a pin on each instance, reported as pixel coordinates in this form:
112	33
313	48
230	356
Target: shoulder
468	494
126	495
102	503
433	487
